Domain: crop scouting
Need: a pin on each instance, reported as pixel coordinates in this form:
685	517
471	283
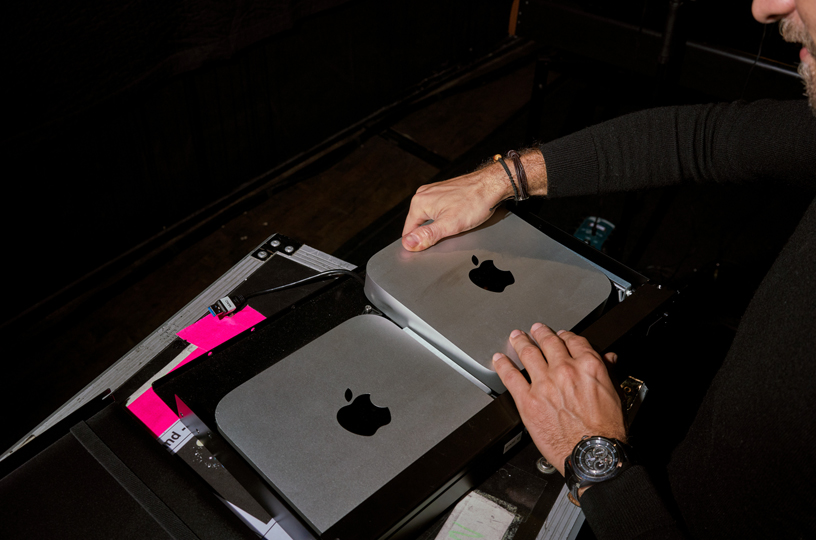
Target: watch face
596	458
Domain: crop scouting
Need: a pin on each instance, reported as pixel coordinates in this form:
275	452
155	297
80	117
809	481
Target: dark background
125	121
131	130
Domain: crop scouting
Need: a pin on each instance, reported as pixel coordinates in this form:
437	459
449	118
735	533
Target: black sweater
747	466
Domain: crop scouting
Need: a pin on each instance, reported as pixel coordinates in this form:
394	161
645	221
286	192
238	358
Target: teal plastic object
594	231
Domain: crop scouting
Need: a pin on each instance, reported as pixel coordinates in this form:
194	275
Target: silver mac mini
467	293
332	423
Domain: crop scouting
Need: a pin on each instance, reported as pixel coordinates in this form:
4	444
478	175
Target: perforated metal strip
564	521
317	260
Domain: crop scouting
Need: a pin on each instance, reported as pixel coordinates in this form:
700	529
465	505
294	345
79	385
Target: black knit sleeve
628	507
762	141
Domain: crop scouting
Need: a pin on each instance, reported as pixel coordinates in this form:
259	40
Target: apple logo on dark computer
490	278
363	417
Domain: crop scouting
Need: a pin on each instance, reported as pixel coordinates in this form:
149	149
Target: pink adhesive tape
212	331
153	412
205	334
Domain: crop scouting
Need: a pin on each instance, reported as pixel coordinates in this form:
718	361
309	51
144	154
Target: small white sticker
175	436
512	442
228	303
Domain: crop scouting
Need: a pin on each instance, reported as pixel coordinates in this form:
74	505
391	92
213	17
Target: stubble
796	33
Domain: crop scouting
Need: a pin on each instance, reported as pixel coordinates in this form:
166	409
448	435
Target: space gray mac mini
468	292
338	419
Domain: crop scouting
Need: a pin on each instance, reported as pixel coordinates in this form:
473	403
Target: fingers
416	216
510	376
529	354
411	225
552	345
555	347
578	346
418	237
455	205
423	237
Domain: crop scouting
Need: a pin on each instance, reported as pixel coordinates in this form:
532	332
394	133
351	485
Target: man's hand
571	394
455	205
465	202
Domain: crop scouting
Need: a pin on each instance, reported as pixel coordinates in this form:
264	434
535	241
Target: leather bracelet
521	174
500	159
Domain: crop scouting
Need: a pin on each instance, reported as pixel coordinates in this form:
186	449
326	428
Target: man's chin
808	74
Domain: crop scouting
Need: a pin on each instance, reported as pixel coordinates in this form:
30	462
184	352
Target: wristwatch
594	460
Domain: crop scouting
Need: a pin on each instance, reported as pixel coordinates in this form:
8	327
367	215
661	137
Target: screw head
274	243
263	254
289	249
544	466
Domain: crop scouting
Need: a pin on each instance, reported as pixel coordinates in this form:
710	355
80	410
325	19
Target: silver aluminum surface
284	420
431	292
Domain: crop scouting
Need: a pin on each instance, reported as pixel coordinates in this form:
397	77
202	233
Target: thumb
426	236
610	358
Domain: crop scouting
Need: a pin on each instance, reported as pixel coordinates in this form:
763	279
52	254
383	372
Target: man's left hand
455	205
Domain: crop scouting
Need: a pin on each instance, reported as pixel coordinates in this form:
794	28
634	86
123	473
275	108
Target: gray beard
798	34
809	77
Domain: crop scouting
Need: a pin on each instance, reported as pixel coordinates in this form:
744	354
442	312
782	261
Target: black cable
317	277
235	303
759	53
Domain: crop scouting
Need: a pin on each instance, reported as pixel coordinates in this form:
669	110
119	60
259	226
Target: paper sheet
476	517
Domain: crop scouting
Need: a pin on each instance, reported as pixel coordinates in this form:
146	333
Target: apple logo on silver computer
490	278
363	417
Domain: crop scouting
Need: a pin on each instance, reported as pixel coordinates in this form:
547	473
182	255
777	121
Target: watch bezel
579	464
576	478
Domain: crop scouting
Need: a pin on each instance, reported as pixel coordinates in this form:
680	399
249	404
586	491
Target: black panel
64	492
274	272
203	382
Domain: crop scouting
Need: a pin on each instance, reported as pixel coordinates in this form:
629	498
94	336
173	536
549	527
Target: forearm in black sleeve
628	507
762	141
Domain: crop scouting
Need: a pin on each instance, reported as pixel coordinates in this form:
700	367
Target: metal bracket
277	243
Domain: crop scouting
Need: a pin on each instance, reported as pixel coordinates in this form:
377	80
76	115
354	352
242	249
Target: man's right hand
570	394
